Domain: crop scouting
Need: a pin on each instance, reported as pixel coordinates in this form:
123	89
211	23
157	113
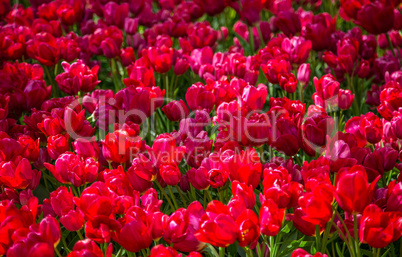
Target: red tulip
70	169
249	232
57	145
244	167
121	145
217	227
87	247
271	218
302	253
95	200
176	110
170	173
77	77
378	228
136	231
181	227
161	250
86	148
353	192
245	192
18	174
165	151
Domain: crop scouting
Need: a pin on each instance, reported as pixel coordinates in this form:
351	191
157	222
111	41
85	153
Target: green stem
251	39
390	44
173	197
221	251
343	236
272	245
208	195
57	252
349	237
165	195
80	235
318	236
75	193
116	81
181	195
356	235
167	86
63	240
301	93
55	88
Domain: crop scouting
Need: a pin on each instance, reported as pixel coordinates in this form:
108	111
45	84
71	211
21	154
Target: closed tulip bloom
176	110
127	56
86	148
62	200
345	99
198	97
95	200
327	90
57	145
317	205
394	195
303	74
198	177
288	22
137	182
217	227
165	151
245	192
110	48
353	192
130	25
288	82
30	146
122	144
319	31
271	218
170	173
36	92
314	132
136	231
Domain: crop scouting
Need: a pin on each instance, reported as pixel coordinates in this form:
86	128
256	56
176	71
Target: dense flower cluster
201	128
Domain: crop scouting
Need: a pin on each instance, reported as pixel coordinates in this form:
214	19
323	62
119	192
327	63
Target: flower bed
200	128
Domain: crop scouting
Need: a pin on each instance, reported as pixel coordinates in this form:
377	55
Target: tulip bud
345	99
130	25
303	74
176	110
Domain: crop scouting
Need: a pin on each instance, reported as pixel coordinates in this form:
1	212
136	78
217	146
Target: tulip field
216	128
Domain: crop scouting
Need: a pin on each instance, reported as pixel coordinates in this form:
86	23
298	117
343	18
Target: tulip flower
135	233
353	192
271	218
217	227
69	169
378	228
181	227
